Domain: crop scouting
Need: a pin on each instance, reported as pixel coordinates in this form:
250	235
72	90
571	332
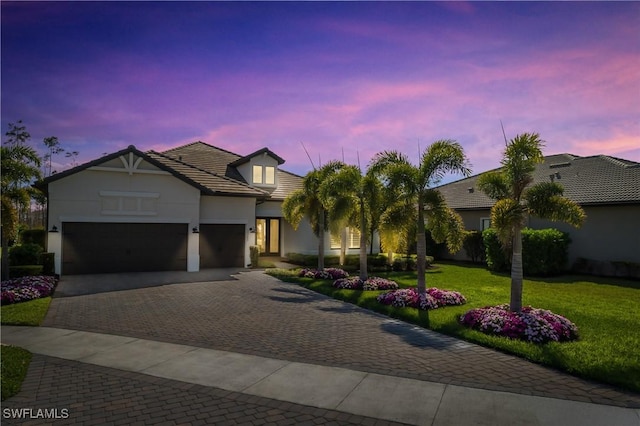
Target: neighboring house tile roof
595	180
203	166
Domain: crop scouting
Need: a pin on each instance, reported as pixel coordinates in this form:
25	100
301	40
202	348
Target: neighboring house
607	188
189	208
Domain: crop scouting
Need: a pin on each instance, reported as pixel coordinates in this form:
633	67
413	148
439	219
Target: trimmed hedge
375	261
544	251
25	271
25	254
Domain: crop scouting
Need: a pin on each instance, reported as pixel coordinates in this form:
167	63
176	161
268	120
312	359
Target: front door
268	236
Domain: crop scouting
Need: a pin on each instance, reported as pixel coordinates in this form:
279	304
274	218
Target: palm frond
442	157
494	185
545	200
506	215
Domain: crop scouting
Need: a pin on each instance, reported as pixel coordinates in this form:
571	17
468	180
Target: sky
343	80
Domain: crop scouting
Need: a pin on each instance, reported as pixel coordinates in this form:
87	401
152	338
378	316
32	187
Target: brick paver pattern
84	394
261	315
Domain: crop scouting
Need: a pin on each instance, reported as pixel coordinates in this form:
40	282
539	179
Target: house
188	208
607	188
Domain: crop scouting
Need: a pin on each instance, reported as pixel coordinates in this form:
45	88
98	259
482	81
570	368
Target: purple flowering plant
371	283
410	298
26	288
531	324
324	274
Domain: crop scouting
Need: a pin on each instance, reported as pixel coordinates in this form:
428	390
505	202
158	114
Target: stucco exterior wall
610	233
93	196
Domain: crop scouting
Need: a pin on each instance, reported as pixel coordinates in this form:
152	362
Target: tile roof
595	180
208	182
203	166
221	162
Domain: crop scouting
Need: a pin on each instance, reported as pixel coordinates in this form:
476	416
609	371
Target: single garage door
221	246
92	248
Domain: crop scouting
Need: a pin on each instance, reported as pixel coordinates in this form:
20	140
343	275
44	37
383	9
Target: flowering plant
324	274
371	283
409	297
26	288
530	324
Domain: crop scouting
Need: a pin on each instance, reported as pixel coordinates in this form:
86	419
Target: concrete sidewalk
356	392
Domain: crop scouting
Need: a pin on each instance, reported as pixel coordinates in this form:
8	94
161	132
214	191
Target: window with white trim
485	223
353	239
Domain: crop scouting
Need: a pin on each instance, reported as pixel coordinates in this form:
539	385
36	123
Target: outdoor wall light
54	229
251	230
195	230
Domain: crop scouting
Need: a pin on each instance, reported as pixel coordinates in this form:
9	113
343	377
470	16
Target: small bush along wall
544	251
473	245
34	236
25	254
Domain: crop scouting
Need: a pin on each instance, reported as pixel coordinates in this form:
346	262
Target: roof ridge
206	144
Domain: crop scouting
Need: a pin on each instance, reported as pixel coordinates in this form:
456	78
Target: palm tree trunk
321	241
5	257
421	250
363	243
343	246
516	272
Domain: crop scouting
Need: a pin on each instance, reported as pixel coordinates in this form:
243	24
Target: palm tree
349	193
306	202
20	167
516	200
415	185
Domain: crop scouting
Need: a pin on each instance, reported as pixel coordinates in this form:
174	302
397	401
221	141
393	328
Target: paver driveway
260	315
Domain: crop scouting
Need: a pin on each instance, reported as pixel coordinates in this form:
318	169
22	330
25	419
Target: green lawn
15	361
605	311
25	313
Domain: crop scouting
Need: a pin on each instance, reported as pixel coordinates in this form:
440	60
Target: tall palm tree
516	200
20	166
349	193
306	202
415	184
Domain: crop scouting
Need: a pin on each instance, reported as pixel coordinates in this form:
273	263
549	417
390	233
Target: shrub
34	236
371	283
254	256
473	245
25	271
24	254
47	260
531	325
311	259
544	251
410	298
325	274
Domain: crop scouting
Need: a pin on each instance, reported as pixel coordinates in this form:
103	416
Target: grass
15	362
25	313
605	311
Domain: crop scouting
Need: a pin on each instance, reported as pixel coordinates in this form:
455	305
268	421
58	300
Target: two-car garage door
92	248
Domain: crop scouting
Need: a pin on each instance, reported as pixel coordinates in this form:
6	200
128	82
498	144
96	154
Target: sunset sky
354	78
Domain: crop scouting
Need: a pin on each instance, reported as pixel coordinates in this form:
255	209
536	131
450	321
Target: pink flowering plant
531	324
324	274
26	288
371	283
410	298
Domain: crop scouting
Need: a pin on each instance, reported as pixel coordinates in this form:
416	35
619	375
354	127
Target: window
270	175
257	174
353	239
264	175
485	223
